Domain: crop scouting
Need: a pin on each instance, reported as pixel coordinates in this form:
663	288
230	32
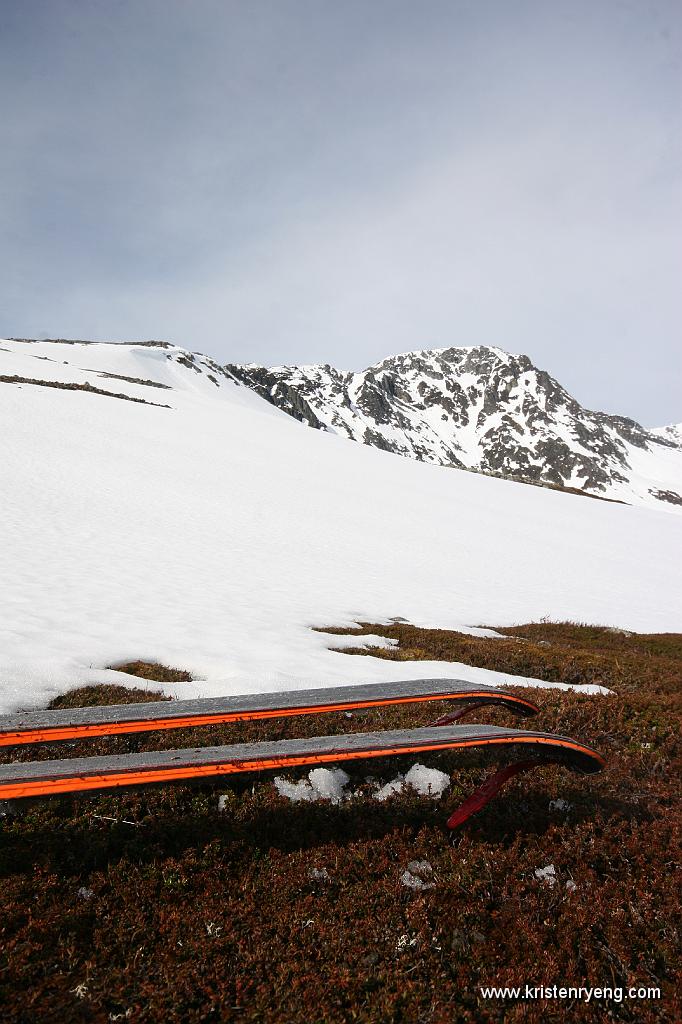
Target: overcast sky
339	180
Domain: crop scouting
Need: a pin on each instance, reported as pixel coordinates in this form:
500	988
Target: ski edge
122	719
48	778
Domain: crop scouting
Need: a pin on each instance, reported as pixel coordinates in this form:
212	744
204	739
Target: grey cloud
311	181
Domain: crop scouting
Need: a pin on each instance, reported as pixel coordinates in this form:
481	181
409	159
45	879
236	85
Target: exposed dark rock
670	496
275	390
77	387
478	408
130	380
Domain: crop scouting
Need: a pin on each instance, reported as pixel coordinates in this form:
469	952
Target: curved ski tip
585	760
526	708
519	705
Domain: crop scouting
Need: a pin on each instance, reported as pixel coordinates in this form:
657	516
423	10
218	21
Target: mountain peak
478	408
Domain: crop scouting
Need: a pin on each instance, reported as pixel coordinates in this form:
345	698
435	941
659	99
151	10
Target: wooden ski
48	778
81	723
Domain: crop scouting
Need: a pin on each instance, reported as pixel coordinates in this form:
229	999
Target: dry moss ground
154	672
149	905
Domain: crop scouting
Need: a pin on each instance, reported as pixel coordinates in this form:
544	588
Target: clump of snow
426	782
418	875
390	789
223	802
365	640
559	805
546	874
570	885
329	783
319	875
85	893
295	791
321	784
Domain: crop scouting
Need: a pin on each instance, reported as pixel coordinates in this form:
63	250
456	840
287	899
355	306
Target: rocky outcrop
477	408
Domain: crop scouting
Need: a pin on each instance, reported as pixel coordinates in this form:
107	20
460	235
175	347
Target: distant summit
673	433
481	409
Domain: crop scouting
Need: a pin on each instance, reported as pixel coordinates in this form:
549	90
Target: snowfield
211	535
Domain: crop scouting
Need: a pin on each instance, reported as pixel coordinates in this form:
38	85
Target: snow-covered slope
210	531
483	409
673	432
142	372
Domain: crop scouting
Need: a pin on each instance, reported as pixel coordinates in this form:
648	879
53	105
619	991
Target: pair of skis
48	778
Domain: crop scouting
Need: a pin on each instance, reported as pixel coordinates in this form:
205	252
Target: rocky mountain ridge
671	433
480	409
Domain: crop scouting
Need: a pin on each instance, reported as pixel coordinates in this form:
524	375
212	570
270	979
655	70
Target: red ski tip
487	790
455	716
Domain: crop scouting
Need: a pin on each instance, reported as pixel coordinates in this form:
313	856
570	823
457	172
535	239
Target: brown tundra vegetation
151	905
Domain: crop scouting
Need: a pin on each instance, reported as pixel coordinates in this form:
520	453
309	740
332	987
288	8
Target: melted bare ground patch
83	341
103	694
130	380
154	671
553	652
5	379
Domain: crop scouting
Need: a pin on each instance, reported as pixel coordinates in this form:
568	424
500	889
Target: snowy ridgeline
483	409
199	526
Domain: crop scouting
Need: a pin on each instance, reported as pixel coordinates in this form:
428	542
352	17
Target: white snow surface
330	784
321	784
212	535
425	781
547	874
418	875
671	432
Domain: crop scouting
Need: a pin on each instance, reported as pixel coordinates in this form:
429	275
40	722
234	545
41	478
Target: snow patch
343	640
321	784
426	781
390	789
418	875
546	874
319	875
